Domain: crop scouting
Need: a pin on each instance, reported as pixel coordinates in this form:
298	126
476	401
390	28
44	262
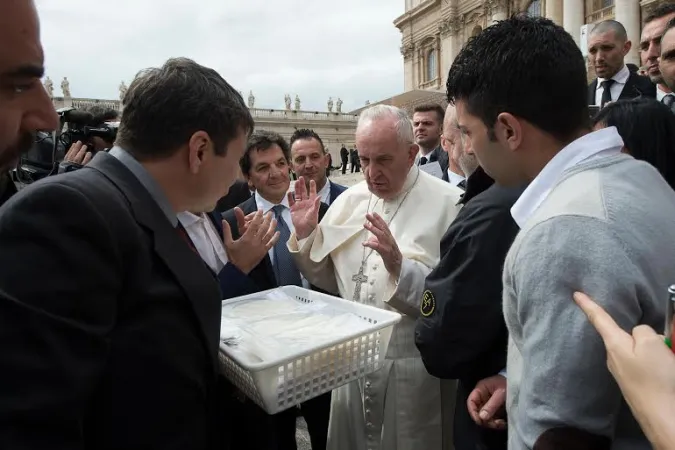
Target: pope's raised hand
304	208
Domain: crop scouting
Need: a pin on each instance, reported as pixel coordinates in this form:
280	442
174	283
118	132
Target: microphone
78	117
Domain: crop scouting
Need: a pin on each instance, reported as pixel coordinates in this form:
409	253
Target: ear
626	47
412	152
199	147
508	130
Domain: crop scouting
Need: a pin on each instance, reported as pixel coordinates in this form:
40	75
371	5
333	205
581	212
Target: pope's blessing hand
304	208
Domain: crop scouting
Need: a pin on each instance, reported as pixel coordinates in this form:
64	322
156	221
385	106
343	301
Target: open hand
383	243
486	403
304	208
78	154
260	236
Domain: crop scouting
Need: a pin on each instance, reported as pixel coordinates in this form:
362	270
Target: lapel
591	91
187	268
630	89
263	273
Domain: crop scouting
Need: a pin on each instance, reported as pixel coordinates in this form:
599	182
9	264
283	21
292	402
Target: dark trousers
344	166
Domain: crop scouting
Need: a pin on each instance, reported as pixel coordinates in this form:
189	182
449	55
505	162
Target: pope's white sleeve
319	273
407	290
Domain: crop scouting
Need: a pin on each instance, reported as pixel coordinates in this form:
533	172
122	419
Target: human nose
41	115
653	52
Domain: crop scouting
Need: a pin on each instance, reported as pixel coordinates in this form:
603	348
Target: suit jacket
238	193
636	86
109	329
438	154
335	191
263	274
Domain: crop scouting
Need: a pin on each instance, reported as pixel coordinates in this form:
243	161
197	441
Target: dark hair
660	11
440	111
647	128
304	133
526	66
165	106
260	141
611	25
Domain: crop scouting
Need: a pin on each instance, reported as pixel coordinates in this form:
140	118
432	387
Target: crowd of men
477	223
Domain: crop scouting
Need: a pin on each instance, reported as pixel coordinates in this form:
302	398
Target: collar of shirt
621	77
147	181
324	193
266	205
427	156
187	218
660	93
454	179
597	144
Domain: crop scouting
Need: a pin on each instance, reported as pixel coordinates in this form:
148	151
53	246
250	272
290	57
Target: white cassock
399	406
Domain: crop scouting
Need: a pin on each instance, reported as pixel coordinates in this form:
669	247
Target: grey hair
402	122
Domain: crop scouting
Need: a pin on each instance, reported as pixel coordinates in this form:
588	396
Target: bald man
451	139
608	45
462	161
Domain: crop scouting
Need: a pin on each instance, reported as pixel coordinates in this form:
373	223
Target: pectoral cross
359	279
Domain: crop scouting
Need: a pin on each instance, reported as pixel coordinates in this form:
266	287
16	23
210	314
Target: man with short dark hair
115	344
266	165
310	161
608	45
25	106
592	219
428	127
650	45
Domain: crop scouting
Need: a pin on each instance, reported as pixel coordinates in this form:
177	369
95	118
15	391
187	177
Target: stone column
628	13
498	8
554	11
573	17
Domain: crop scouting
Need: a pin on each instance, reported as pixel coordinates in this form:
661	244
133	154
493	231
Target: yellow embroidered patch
428	304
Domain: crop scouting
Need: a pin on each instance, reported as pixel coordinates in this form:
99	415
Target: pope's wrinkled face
385	160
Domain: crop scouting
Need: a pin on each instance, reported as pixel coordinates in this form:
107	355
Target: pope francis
375	245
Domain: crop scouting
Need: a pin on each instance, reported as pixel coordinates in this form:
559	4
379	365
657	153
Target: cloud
314	48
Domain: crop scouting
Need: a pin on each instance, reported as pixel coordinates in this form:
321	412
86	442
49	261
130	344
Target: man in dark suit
310	160
608	44
344	158
428	127
266	165
25	106
115	344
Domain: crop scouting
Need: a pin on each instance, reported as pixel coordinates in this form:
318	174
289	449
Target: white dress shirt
205	238
660	93
454	179
620	80
598	144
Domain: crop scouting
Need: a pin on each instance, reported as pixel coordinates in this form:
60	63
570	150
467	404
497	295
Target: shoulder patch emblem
428	304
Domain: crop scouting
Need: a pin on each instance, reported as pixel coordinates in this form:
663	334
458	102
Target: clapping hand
304	208
257	237
383	243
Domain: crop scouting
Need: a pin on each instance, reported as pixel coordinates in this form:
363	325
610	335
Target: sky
314	48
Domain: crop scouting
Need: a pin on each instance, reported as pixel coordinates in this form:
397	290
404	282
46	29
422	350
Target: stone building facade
434	31
336	129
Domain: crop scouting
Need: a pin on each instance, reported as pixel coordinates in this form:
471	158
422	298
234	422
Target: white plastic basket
279	384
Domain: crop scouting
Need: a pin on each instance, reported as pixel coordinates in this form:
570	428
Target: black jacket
110	323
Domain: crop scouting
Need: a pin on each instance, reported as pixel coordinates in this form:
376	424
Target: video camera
49	149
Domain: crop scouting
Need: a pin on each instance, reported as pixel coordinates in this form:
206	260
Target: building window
431	64
534	10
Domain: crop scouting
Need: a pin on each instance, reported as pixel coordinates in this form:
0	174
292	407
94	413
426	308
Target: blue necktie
285	270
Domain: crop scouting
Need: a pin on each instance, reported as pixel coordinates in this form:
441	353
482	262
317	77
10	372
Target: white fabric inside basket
276	326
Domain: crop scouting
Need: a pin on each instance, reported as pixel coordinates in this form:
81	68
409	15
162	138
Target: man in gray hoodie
592	219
